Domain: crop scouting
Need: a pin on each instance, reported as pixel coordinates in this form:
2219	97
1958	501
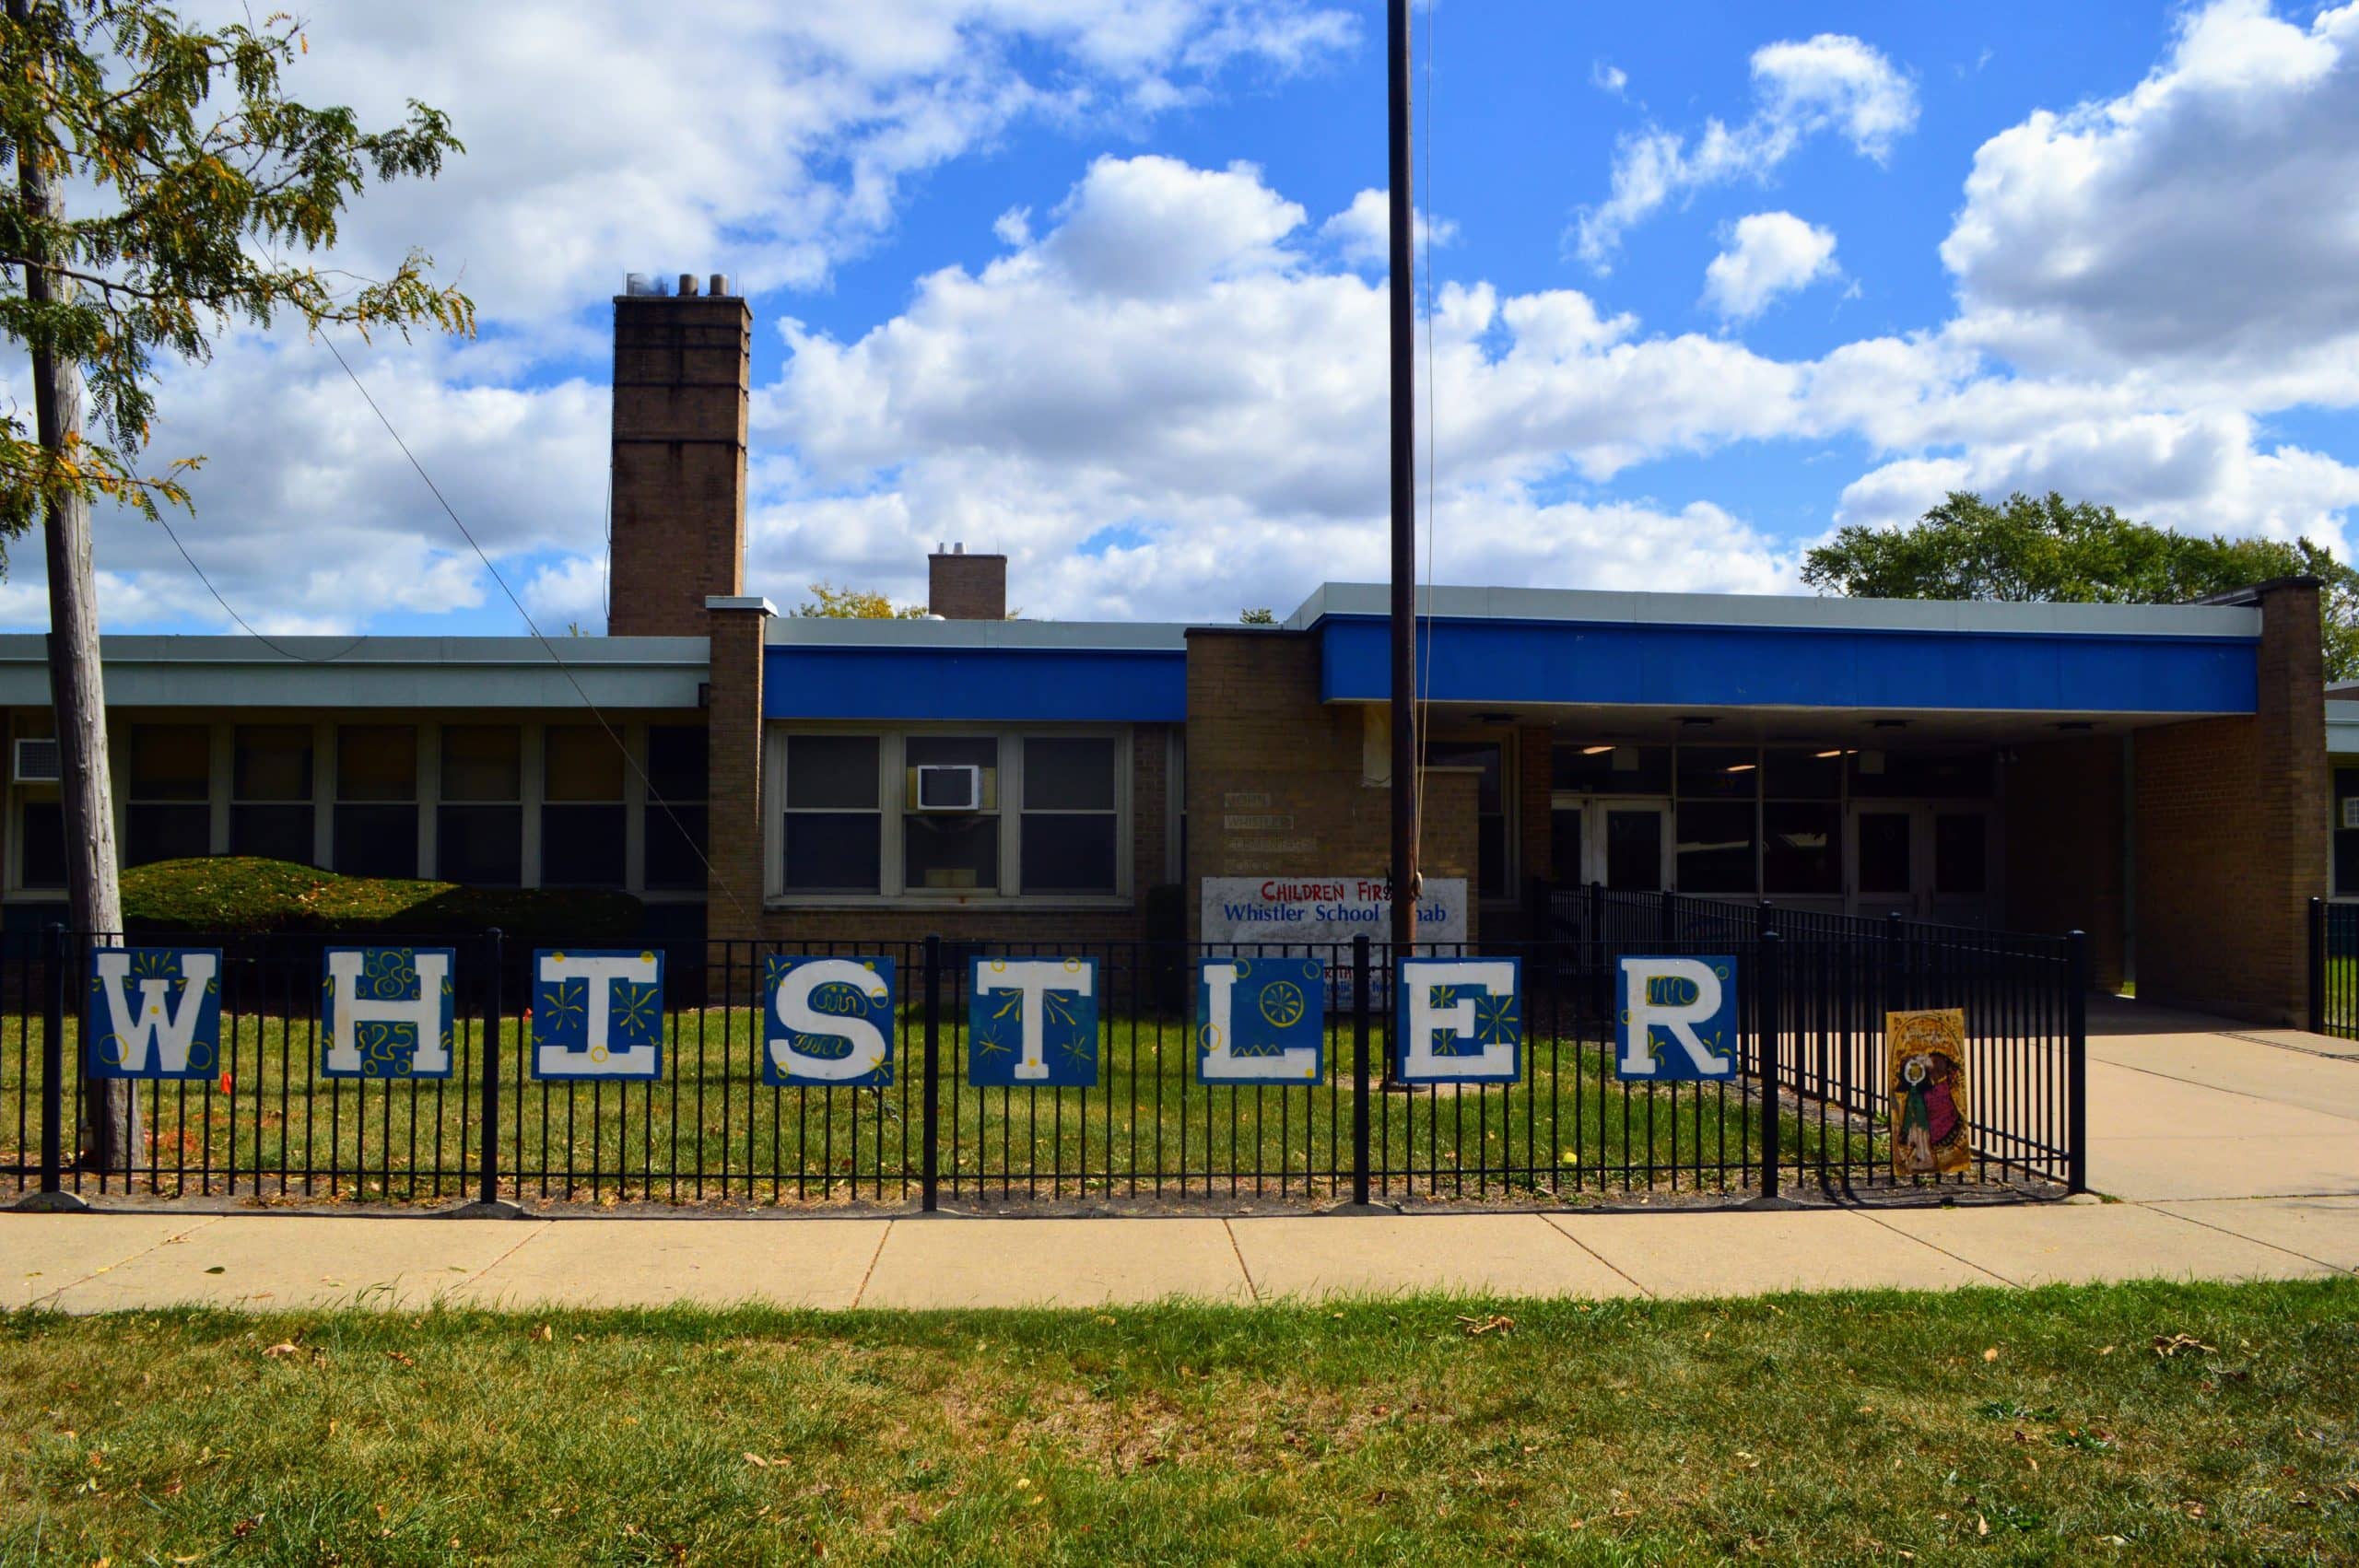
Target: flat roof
1788	611
374	672
1062	637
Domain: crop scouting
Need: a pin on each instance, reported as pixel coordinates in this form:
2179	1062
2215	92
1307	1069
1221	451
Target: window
1602	767
1801	847
1491	879
43	862
1714	847
950	851
1718	773
479	826
581	807
1800	774
167	815
1932	775
376	800
834	826
673	821
1068	831
270	791
1040	816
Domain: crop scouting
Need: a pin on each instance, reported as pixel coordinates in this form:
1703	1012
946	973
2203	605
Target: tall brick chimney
961	587
681	373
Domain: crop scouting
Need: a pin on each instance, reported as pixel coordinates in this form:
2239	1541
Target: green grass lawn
2130	1423
713	1132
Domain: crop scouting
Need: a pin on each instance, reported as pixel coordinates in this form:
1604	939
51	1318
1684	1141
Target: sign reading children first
1032	1021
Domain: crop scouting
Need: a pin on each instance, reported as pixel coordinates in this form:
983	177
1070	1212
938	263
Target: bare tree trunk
77	690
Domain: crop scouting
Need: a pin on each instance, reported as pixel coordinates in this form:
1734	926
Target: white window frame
892	775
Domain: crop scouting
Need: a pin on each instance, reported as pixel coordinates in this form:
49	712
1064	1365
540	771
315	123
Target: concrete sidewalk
115	1262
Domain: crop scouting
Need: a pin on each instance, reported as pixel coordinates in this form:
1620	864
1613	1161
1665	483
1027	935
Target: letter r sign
1675	1019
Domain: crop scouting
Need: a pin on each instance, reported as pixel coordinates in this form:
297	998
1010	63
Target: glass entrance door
1623	843
1928	861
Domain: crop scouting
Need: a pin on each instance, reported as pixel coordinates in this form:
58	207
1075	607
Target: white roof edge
739	601
1795	610
319	652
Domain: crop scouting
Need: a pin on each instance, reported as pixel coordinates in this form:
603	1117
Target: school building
2156	774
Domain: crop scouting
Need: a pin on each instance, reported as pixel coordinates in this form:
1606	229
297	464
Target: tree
202	190
832	603
2048	549
1257	617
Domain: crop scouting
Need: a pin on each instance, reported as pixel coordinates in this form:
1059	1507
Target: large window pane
676	840
1794	774
1926	774
1799	852
1884	853
833	852
582	846
166	833
831	772
376	762
2346	832
171	762
942	853
271	761
1068	853
376	840
1482	755
1726	773
1564	846
1634	850
44	840
678	762
1715	847
482	762
1603	767
1073	774
484	844
581	762
276	832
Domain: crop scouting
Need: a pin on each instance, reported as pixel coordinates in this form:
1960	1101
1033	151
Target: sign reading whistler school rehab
1316	910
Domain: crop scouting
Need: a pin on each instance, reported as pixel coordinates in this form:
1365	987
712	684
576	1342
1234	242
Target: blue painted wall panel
1092	686
1507	662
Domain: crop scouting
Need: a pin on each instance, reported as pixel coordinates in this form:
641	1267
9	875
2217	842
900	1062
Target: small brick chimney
678	512
961	587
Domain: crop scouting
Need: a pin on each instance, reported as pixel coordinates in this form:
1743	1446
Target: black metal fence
1807	1109
2334	968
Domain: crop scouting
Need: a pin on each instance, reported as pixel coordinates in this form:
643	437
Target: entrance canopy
1674	654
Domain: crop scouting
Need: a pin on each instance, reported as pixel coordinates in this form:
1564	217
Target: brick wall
2231	834
966	588
678	460
1277	781
734	742
2064	831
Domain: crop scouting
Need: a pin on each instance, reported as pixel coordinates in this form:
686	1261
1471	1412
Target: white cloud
1362	233
2193	231
1608	78
1768	253
1828	85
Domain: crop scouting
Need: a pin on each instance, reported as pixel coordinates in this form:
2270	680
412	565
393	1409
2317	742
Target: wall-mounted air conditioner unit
944	788
37	761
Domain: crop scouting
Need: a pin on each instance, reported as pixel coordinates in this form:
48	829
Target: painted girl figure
1929	1131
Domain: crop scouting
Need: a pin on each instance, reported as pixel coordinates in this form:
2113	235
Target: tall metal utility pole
1405	497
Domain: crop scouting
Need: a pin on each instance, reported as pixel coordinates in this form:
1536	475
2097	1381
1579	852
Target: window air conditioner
37	761
945	788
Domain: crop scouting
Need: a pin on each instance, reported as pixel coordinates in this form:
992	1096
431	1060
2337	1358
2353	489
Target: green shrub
237	894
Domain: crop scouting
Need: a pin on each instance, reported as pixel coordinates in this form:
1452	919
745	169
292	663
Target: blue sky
1069	278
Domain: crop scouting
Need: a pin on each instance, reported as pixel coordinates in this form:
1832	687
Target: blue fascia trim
1506	661
1036	685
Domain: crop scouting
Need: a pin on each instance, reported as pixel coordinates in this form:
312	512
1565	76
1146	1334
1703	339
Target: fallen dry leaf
2171	1344
284	1348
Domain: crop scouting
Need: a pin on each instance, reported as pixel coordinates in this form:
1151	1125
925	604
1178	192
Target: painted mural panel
1929	1091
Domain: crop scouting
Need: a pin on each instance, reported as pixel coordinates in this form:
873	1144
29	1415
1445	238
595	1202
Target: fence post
489	1204
2318	967
52	1198
931	1100
1359	1071
2076	1006
1767	1027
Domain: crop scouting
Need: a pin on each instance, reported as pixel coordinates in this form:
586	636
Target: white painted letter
1464	977
1221	1065
1033	979
136	1032
1641	978
601	970
351	1009
795	1012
